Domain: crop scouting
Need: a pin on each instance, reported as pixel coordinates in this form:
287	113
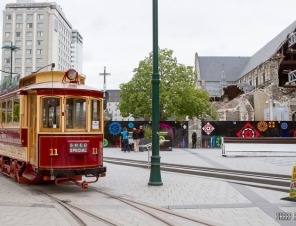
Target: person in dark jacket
194	138
136	139
141	136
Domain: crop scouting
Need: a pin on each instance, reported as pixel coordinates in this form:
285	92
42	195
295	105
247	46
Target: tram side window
75	113
95	114
16	111
9	111
3	112
51	112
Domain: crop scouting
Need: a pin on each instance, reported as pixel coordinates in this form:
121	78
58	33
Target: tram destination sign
78	147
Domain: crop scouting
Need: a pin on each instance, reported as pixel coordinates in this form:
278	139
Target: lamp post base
155	177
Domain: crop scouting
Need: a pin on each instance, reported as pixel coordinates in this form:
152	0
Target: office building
76	51
42	33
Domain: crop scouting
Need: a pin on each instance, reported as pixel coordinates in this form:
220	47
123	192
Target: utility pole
104	74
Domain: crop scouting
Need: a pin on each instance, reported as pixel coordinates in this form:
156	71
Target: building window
40	16
8	43
19	16
18	25
39	51
39	42
29	34
256	81
18	51
17	60
29	16
8	17
28	60
18	43
18	34
263	77
7	34
39	33
17	69
28	51
39	60
39	25
29	42
6	51
29	25
7	60
8	25
28	69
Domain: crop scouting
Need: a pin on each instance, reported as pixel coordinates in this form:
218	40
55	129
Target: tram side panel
10	144
70	155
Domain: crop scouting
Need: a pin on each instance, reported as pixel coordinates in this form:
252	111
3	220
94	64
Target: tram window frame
9	112
69	121
16	112
58	126
3	112
99	114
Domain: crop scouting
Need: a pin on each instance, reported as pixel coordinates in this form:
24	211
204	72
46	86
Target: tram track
154	211
162	216
270	181
70	207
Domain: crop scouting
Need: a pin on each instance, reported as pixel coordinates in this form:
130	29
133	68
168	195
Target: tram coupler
66	181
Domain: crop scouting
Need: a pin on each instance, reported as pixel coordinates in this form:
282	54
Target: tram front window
51	113
95	114
75	113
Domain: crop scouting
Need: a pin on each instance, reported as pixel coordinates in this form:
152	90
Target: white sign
95	125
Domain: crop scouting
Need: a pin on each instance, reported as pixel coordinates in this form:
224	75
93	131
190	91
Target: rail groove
277	182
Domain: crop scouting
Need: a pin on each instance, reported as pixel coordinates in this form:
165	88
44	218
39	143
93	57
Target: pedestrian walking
136	139
194	138
141	136
125	140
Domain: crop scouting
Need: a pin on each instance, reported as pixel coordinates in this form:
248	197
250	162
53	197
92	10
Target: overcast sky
118	33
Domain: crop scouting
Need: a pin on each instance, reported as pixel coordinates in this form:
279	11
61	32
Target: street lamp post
155	177
12	48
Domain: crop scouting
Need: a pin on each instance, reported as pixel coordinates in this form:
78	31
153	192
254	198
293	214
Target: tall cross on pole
104	74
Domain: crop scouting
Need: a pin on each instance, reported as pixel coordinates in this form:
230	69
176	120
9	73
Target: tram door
32	121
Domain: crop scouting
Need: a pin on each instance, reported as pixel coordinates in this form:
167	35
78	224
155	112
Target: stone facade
268	80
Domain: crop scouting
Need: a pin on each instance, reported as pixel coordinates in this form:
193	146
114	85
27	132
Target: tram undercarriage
25	173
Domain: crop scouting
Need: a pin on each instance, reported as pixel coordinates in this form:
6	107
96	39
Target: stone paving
19	206
207	198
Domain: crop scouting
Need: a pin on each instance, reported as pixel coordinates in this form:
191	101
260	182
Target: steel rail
270	181
66	205
144	206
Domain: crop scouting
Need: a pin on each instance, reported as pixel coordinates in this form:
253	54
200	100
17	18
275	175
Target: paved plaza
206	198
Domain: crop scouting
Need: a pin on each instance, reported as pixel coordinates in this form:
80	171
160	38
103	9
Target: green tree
177	96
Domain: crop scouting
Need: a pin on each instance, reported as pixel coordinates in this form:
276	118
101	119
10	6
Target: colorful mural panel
172	134
246	129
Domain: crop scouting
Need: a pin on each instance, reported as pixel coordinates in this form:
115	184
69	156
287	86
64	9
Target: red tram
51	129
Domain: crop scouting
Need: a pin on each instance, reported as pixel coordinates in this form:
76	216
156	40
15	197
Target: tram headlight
71	74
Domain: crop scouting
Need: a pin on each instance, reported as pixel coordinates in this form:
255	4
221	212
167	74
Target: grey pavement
206	198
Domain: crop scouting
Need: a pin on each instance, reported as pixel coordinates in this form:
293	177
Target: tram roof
60	85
